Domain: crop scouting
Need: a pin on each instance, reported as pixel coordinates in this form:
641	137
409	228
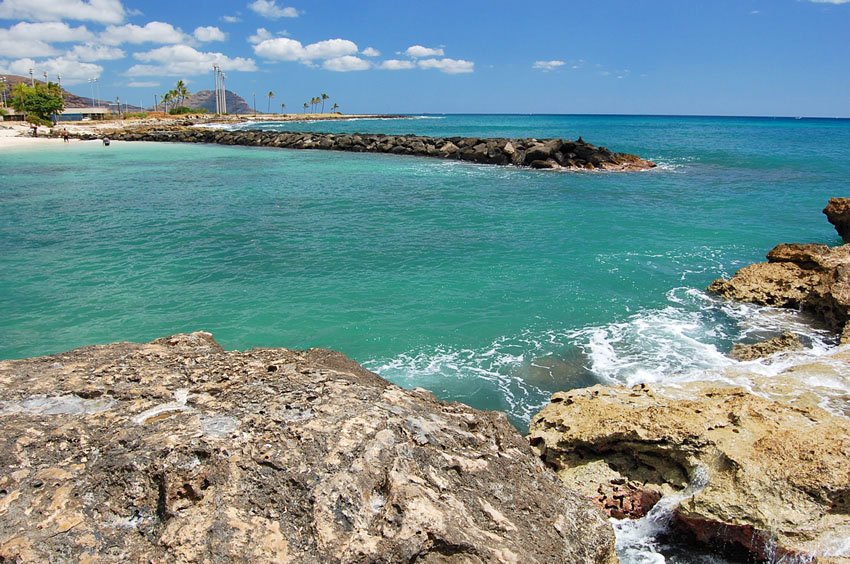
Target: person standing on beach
65	136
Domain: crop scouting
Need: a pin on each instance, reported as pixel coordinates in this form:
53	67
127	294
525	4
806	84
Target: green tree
282	107
167	98
305	107
38	102
335	107
181	92
324	97
270	95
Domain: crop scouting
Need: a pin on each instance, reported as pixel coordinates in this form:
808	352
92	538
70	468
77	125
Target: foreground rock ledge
778	478
179	451
555	154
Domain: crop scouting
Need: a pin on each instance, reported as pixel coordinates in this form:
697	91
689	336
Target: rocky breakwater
552	154
748	471
811	277
178	451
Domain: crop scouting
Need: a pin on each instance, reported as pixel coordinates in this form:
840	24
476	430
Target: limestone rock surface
811	277
776	477
785	342
177	451
838	213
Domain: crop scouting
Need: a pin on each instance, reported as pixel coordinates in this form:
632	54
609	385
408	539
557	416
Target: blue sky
734	57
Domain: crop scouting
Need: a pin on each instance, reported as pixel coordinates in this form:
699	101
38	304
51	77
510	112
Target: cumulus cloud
72	70
370	52
152	32
93	52
182	60
396	64
346	63
269	9
286	49
101	11
33	39
143	84
231	19
209	33
448	66
261	35
418	52
547	66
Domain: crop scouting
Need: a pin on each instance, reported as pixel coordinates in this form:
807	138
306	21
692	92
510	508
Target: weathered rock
176	451
754	351
778	481
472	149
838	213
814	278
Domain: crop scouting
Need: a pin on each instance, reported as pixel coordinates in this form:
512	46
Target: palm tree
316	101
282	106
166	99
324	97
335	107
181	91
305	107
270	95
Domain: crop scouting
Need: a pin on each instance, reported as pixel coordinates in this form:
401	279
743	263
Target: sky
677	57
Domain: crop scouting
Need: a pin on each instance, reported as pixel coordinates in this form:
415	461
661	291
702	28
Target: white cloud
209	33
269	9
830	1
231	19
182	60
72	71
418	52
370	52
330	48
101	11
261	35
33	39
396	64
448	66
92	52
547	66
143	84
285	49
152	32
347	63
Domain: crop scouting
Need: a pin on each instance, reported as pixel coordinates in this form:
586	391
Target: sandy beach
18	134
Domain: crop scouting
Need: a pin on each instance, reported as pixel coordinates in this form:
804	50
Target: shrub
184	110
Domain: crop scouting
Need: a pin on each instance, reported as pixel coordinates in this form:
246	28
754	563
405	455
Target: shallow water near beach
493	286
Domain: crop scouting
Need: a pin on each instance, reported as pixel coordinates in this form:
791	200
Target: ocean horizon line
706	116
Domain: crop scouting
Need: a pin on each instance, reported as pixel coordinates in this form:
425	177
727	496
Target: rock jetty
763	475
551	154
811	277
177	451
838	213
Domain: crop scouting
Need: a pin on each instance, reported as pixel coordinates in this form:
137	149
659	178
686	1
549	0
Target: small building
68	114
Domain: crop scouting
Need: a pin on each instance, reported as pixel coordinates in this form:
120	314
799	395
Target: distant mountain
206	99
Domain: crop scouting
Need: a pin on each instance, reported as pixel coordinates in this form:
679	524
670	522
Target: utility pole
32	80
155	103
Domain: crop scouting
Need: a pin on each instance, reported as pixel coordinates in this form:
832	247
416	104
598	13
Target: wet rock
814	278
518	152
192	454
782	343
838	213
776	477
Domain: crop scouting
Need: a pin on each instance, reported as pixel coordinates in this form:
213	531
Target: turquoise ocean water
489	285
493	286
